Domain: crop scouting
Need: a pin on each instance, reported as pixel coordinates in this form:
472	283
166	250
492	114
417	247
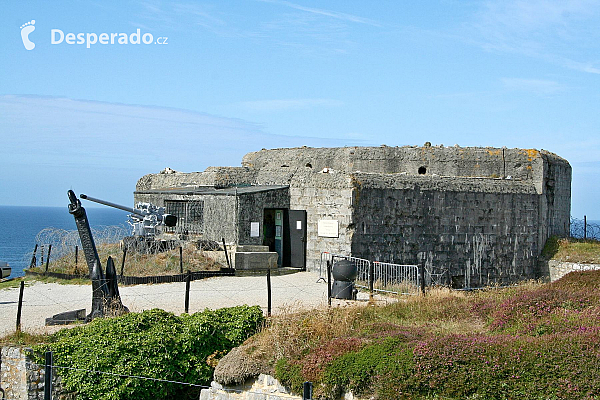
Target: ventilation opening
308	165
422	170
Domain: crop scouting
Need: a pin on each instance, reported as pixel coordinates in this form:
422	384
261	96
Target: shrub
153	344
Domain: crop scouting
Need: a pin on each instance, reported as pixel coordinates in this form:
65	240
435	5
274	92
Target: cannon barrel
108	203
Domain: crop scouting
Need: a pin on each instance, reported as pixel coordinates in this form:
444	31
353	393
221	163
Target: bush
153	344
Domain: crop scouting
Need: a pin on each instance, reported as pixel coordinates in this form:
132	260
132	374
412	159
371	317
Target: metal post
307	391
48	258
48	377
226	256
188	279
20	307
76	258
42	255
585	227
180	259
33	262
422	277
371	279
269	292
123	262
329	282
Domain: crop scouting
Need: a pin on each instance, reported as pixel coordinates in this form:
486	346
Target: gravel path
42	300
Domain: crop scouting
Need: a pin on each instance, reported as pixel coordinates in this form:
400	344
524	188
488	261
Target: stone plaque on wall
328	228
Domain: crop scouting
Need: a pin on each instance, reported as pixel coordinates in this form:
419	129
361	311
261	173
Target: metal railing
380	276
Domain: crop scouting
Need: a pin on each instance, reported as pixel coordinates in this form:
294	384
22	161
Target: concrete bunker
476	215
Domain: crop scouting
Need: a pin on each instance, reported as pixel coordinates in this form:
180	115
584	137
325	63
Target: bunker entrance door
284	231
295	244
273	232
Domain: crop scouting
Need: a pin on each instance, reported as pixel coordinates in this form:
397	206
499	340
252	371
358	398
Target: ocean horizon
21	224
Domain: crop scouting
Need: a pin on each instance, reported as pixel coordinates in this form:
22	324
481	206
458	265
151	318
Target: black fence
584	229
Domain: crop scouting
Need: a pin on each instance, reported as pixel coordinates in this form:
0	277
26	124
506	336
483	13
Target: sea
20	225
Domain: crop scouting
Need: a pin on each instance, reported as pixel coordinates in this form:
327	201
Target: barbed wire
581	228
29	363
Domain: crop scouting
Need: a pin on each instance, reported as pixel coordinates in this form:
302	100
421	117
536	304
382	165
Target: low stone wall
558	269
262	388
21	378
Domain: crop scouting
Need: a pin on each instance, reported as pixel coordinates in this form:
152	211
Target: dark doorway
273	232
295	240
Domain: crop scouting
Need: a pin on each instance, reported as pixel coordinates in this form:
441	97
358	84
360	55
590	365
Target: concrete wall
480	230
324	197
558	269
250	208
521	164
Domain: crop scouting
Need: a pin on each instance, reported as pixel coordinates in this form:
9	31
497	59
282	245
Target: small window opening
308	165
285	166
422	170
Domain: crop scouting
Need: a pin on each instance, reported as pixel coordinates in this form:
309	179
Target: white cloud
556	31
91	144
289	104
326	13
537	86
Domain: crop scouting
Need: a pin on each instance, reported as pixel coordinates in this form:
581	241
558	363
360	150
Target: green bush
154	344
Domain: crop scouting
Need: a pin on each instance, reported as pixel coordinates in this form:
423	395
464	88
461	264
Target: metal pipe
114	205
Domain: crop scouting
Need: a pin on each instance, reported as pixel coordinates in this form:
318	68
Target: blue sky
238	76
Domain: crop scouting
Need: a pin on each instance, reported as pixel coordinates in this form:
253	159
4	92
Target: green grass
534	341
572	250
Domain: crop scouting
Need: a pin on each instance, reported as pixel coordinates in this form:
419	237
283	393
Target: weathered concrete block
255	260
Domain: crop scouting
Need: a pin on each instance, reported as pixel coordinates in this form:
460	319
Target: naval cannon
146	221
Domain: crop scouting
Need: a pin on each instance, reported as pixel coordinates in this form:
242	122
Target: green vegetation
535	341
136	264
154	344
572	250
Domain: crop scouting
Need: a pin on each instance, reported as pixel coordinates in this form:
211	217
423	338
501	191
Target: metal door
297	241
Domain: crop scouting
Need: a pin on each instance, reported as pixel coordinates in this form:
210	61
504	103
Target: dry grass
573	250
137	264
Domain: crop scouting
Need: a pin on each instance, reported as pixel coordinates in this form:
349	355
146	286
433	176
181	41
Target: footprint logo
26	29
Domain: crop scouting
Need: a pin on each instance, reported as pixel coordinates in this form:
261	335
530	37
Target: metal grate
190	215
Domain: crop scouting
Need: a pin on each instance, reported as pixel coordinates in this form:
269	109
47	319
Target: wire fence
584	229
379	276
275	294
49	370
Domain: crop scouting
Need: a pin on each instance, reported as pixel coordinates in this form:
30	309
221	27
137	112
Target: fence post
42	255
226	255
422	277
585	226
180	259
188	279
307	391
20	307
33	262
48	258
269	296
123	262
48	377
371	279
329	282
76	258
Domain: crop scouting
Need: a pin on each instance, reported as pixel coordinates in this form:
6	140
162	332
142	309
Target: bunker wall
468	238
519	164
250	208
324	197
